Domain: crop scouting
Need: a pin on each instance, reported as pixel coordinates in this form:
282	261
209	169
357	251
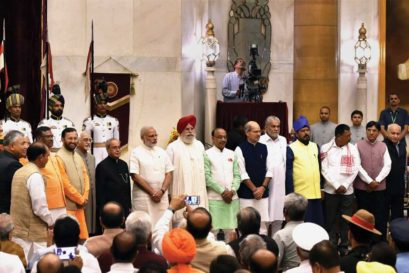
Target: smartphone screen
193	200
65	253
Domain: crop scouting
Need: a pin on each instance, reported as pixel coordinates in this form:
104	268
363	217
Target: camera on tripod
254	84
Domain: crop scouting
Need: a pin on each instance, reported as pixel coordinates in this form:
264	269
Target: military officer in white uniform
101	126
56	122
12	121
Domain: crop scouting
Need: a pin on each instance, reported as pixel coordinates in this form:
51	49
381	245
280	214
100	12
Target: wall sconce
362	50
210	46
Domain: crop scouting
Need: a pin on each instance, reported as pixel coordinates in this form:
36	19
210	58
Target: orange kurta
54	190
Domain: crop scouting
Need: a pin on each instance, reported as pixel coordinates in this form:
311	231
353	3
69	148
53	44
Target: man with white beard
186	154
151	171
83	149
277	149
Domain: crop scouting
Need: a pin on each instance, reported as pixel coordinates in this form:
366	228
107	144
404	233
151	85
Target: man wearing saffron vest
77	189
53	174
303	171
255	170
370	184
29	209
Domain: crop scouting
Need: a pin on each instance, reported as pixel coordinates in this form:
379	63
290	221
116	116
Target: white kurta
152	164
56	126
189	175
101	129
277	149
21	125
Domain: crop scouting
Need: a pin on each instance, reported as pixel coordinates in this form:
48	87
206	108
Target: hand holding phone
192	200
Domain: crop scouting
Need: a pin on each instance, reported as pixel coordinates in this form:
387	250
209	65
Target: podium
257	111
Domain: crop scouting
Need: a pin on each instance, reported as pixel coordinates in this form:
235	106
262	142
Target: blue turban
300	123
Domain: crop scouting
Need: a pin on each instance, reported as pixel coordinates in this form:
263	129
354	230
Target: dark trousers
334	206
374	202
394	202
314	213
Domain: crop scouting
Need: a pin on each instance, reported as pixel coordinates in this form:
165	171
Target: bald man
49	263
395	181
263	261
124	250
83	149
255	169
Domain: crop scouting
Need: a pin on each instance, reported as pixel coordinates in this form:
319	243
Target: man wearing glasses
83	149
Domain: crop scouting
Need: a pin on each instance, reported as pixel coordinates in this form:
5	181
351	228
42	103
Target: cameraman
233	82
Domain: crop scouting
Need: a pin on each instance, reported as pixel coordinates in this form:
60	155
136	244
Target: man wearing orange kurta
76	189
54	175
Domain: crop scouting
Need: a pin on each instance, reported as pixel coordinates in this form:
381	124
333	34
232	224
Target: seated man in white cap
305	236
13	121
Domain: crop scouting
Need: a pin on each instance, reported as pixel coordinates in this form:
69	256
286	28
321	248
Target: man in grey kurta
322	132
358	131
84	145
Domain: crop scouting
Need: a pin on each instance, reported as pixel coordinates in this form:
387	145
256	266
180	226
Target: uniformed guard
12	120
101	126
57	123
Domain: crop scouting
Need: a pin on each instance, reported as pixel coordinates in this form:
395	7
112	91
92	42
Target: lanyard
394	116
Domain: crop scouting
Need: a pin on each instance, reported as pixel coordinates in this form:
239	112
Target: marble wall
158	39
351	14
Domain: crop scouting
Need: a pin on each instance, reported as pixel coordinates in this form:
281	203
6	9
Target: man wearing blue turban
303	170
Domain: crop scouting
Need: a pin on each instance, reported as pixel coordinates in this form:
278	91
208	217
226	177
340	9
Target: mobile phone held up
192	200
65	253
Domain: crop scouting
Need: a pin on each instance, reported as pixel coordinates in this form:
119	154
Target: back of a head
152	268
360	235
324	254
263	261
112	215
49	263
66	232
248	246
382	252
137	221
399	228
295	206
6	226
124	247
69	269
35	150
178	246
248	221
199	223
224	264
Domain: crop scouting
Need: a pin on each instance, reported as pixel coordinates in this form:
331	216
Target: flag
3	66
47	77
88	70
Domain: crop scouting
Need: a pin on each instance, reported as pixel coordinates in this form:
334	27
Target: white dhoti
142	202
277	194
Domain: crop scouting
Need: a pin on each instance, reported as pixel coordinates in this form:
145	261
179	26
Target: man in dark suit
395	181
112	181
15	147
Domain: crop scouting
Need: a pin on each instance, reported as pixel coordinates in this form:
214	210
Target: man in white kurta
223	181
277	150
186	154
151	171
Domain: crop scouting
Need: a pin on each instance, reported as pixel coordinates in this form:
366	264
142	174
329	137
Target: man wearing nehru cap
186	154
56	122
303	171
13	121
